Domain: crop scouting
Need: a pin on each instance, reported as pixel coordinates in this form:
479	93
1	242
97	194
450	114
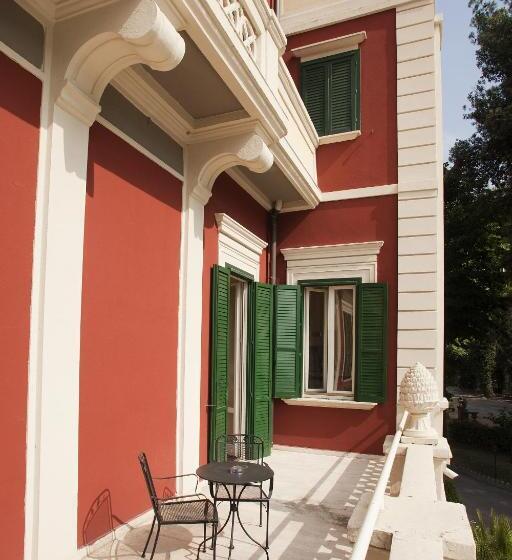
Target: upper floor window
330	90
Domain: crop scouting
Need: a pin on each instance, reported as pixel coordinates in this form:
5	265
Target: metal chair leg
149	537
156	540
204	537
268	513
214	540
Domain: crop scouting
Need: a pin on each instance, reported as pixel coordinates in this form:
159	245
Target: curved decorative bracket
141	34
206	161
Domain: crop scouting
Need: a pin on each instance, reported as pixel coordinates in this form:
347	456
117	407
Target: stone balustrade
236	14
415	520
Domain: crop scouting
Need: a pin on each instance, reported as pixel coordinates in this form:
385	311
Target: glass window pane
316	341
343	339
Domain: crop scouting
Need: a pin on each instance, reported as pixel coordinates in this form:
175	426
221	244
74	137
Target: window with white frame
329	340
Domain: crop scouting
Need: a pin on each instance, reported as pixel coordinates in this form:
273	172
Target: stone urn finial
419	396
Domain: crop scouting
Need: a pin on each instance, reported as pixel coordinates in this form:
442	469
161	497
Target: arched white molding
205	162
139	33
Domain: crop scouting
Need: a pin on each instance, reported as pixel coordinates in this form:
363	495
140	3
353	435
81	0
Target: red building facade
157	192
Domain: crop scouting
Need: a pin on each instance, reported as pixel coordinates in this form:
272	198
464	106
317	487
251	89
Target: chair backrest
144	465
239	447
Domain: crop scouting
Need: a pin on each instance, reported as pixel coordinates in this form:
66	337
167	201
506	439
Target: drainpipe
278	204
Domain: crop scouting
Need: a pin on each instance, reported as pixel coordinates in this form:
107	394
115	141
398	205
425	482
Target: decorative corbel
127	33
206	161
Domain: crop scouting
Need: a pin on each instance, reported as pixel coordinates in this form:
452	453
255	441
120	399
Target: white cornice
366	249
232	229
363	192
334	12
330	46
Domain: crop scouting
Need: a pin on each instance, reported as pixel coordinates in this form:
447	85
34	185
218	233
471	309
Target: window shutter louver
372	343
341	87
219	354
287	352
261	354
314	94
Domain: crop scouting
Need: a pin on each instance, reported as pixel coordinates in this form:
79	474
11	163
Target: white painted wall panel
418	245
409	51
412	320
417	301
417	120
408	227
407	86
407	357
422	14
417	207
417	339
417	263
421	172
416	67
417	154
416	102
414	33
423	282
416	137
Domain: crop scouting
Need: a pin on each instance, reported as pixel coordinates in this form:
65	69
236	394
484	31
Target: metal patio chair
178	510
243	447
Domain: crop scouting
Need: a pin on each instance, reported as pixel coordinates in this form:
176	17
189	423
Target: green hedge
481	436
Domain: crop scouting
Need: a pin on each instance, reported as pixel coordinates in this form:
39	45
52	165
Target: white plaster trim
339	137
109	126
24	63
330	403
350	260
330	46
333	12
363	192
238	246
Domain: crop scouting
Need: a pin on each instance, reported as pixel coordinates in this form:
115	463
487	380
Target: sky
460	73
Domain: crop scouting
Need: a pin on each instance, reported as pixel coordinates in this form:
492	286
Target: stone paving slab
314	496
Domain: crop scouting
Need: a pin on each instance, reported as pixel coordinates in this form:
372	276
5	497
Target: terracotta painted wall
20	103
372	158
230	199
129	331
352	221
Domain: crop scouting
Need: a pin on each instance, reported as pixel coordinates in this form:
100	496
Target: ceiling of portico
196	86
273	184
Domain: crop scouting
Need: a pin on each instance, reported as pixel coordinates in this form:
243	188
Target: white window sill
330	403
340	137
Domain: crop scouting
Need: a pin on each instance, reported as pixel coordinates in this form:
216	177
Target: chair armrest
179	476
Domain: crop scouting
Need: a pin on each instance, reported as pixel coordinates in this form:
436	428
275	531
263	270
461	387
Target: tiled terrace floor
314	495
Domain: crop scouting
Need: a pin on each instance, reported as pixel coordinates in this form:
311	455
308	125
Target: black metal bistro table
224	473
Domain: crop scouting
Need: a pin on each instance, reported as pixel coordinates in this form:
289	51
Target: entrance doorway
237	367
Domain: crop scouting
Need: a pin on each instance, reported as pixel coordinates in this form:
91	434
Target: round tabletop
221	472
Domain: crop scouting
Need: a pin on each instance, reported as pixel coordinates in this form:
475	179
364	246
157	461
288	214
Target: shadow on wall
102	542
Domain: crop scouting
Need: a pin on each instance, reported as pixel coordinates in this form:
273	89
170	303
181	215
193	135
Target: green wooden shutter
287	340
314	94
343	93
261	357
219	354
372	343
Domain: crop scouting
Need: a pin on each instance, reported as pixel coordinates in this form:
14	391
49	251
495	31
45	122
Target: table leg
265	548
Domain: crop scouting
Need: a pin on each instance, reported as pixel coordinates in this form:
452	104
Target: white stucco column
87	52
203	164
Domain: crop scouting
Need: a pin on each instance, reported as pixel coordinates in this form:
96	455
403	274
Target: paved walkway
314	496
477	494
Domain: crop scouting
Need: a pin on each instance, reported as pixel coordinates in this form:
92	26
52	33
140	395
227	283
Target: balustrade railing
241	23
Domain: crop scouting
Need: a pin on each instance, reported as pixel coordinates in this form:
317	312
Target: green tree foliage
478	215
